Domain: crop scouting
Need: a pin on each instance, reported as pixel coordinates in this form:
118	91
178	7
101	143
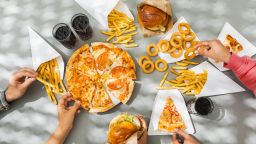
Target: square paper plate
217	82
249	48
158	107
167	36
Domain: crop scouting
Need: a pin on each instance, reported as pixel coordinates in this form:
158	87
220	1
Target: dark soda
64	35
80	23
203	106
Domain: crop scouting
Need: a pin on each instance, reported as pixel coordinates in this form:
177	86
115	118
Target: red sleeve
245	69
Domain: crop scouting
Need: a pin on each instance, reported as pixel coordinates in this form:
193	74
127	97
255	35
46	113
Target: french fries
188	82
49	76
122	29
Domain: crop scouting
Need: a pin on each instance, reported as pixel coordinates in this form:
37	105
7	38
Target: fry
190	62
189	82
163	79
182	64
121	29
49	76
179	68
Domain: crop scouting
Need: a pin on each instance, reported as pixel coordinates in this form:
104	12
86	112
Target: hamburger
125	126
154	17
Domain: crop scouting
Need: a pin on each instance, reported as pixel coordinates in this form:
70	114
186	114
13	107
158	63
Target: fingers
63	101
142	121
75	107
28	82
182	133
25	72
174	139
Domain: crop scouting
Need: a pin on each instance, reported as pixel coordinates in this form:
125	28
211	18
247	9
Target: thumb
28	82
75	107
182	133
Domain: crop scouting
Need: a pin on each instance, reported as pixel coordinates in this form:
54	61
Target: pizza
104	54
121	88
94	77
170	119
232	44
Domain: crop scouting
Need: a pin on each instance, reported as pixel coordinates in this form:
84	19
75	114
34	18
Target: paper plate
249	48
166	56
158	107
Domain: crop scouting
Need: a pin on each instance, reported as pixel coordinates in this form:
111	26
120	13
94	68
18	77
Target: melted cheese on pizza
170	119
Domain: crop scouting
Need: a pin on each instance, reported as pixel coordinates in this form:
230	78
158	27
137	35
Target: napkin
166	56
249	48
100	9
217	82
42	51
158	107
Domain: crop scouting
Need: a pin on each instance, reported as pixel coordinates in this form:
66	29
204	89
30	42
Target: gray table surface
33	118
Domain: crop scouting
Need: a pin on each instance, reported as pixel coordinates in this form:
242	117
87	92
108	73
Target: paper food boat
42	51
158	107
248	48
100	9
167	36
217	82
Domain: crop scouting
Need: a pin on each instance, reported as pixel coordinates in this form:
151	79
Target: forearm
245	69
59	136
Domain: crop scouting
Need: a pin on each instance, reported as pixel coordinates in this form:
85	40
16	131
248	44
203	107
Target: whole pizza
97	73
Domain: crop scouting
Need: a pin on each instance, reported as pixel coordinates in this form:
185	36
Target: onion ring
163	45
174	53
178	35
149	52
185	45
186	25
190	53
176	42
165	65
189	37
148	67
142	59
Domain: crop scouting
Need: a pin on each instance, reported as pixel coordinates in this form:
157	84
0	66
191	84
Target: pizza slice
104	54
123	67
232	44
170	119
120	88
101	101
80	86
83	61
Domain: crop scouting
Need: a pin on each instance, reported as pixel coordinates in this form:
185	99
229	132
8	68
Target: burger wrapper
163	5
100	9
42	51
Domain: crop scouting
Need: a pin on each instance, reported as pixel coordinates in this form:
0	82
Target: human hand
66	115
214	49
19	83
188	139
144	137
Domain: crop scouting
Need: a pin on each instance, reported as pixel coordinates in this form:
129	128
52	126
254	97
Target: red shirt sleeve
245	69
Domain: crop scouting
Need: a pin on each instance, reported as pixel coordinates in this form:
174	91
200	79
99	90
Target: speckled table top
33	118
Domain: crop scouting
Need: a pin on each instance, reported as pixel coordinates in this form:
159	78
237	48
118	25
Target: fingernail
67	94
78	103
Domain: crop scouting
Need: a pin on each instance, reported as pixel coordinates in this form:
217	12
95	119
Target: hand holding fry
19	83
214	49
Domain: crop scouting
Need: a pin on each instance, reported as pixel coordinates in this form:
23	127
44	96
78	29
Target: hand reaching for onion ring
214	49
